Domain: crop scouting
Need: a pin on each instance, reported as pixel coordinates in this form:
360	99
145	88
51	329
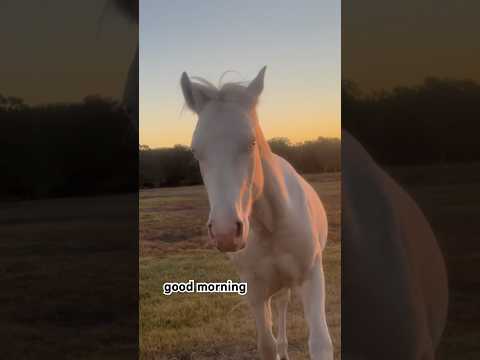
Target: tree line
89	148
71	149
429	123
176	166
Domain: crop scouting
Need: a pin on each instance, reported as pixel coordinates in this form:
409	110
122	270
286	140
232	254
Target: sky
298	41
419	39
58	52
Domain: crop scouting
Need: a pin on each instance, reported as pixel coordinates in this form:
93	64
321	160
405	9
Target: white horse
394	288
262	212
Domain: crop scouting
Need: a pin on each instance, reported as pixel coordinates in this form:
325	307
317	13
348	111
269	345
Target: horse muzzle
230	241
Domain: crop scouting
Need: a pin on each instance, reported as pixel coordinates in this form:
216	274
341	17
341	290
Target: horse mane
228	92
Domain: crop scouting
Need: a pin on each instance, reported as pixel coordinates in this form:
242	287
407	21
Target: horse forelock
229	92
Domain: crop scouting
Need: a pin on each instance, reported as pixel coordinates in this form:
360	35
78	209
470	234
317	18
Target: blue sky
299	41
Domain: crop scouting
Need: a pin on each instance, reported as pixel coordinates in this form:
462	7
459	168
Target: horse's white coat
394	290
283	225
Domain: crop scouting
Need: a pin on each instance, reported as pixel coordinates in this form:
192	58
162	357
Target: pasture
68	274
213	326
63	298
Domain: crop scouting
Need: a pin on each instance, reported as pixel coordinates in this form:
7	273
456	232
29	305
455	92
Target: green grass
212	326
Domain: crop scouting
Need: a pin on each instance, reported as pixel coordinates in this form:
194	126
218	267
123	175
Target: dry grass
62	261
213	326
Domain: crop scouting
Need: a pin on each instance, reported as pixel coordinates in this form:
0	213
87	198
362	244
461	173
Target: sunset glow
300	45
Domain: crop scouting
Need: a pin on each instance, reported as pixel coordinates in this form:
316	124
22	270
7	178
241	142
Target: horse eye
252	144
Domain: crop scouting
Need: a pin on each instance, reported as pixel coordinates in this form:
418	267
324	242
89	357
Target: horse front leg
312	292
266	344
280	303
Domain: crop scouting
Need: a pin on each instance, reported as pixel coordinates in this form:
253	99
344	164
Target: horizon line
273	138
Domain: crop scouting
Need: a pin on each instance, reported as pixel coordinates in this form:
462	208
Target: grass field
61	263
68	272
213	326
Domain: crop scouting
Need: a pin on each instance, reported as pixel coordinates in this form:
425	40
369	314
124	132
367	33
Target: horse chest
274	271
288	269
282	259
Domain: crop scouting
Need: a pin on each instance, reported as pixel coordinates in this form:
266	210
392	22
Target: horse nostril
239	228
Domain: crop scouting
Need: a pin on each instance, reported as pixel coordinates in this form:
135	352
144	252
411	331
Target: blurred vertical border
410	95
68	181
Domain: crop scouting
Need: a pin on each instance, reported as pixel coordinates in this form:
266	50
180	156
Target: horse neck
272	196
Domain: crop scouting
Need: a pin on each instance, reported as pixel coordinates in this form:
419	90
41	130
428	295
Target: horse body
395	285
289	231
263	214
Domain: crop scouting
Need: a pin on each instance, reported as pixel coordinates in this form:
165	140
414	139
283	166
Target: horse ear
195	96
255	88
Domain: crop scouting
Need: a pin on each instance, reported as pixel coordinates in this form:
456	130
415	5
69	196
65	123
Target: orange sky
301	98
298	119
